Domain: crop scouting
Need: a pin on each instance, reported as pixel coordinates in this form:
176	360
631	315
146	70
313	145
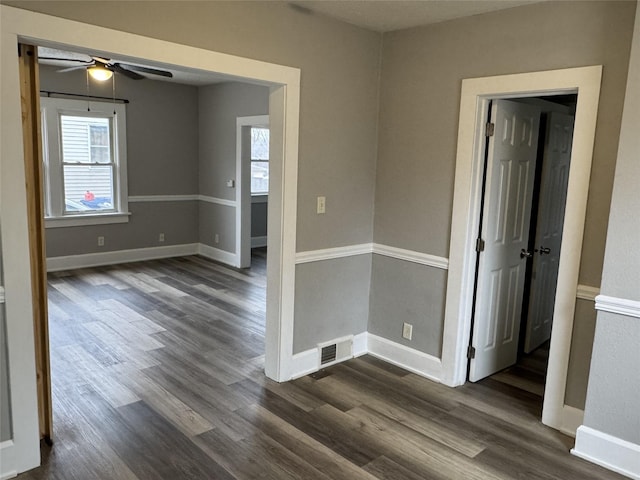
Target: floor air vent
336	351
328	354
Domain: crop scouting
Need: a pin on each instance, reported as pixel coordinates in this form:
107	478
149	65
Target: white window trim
50	108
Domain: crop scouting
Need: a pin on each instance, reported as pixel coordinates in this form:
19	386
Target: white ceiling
389	15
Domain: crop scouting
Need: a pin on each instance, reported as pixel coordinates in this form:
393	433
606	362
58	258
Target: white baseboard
608	451
410	359
307	362
304	363
259	241
55	264
360	344
213	253
571	419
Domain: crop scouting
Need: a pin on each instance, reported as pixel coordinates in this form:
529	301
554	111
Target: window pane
99	134
80	134
100	154
88	188
259	177
259	143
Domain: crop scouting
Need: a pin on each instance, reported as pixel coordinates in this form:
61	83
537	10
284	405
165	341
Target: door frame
243	192
475	97
21	26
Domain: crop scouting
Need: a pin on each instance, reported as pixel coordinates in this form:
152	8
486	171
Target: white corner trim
360	342
586	292
331	253
411	256
162	198
55	264
405	357
212	253
622	306
608	451
259	241
1	301
307	362
571	419
217	201
7	475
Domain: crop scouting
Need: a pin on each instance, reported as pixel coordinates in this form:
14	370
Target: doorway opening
474	110
252	194
126	331
526	166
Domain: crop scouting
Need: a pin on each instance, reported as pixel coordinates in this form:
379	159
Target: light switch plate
321	205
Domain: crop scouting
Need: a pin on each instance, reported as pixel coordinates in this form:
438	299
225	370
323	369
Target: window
84	162
259	161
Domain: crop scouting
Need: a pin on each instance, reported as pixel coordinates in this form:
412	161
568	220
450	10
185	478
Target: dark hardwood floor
157	374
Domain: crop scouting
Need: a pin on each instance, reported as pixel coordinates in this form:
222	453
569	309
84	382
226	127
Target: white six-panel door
505	230
553	197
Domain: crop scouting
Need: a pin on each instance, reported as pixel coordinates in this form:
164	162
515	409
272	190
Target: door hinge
490	130
479	245
471	352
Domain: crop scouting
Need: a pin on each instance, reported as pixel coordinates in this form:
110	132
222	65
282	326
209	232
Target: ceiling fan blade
127	73
75	60
71	69
152	71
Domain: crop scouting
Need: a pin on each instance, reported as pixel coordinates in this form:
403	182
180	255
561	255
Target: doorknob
525	254
544	251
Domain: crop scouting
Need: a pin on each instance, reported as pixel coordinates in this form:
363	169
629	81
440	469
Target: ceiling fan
103	68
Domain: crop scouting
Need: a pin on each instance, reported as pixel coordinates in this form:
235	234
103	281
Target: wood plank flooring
157	372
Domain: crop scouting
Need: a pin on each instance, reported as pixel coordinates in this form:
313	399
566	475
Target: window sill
259	197
86	219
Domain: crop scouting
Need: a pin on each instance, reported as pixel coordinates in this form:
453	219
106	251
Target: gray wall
259	219
613	396
219	106
162	159
422	70
403	291
331	300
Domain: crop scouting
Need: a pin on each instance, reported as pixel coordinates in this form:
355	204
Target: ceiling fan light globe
99	73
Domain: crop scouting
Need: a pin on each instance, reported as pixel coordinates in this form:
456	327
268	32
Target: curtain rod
104	99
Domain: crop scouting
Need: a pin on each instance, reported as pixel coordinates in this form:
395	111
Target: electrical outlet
216	238
101	241
161	237
407	331
321	205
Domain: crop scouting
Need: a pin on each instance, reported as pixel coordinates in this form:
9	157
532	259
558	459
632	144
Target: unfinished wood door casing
30	99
